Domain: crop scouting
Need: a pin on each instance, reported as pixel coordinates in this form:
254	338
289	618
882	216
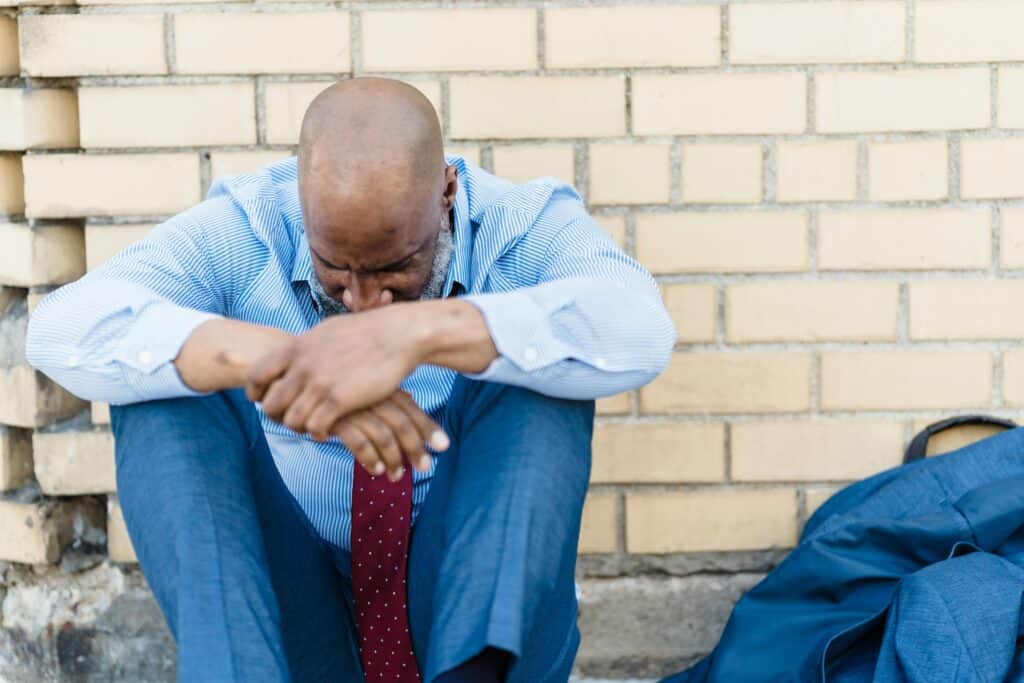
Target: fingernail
424	462
378	468
439	441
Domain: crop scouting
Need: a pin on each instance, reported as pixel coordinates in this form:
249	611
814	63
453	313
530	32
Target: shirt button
73	359
529	354
601	363
145	356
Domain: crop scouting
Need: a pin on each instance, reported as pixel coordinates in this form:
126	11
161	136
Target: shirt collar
458	269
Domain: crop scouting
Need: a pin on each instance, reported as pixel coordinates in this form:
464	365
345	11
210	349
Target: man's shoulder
544	199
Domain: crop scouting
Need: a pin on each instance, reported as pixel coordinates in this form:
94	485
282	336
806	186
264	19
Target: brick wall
829	193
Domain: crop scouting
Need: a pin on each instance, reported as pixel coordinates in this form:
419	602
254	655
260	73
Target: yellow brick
525	162
629	174
15	458
37	533
1011	250
815	497
694	310
904	239
731	382
816	171
45	255
810	32
30	399
1010	112
9	64
407	39
956	437
722	173
233	163
286	104
119	543
615	226
812	311
814	450
92	44
12	184
38	118
468	152
236	43
598	528
100	413
637	35
966	309
1013	376
62	185
905	380
992	168
537	106
723	242
968	31
729	103
103	241
905	100
168	116
693	521
73	463
658	453
29	535
914	169
614	405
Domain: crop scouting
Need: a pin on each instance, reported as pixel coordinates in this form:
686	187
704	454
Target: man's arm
112	335
593	324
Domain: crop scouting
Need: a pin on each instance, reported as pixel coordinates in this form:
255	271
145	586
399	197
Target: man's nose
364	293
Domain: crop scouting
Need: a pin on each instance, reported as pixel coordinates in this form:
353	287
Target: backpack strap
919	445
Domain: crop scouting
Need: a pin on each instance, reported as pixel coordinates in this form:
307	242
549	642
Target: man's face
368	251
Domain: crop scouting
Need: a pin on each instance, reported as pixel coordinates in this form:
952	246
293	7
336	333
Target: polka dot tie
380	549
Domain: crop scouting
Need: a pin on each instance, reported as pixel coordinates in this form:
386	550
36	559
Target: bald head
372	181
375	122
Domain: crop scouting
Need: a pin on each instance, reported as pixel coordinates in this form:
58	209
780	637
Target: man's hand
344	364
383	436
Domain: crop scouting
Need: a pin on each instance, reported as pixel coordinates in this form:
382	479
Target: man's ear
451	185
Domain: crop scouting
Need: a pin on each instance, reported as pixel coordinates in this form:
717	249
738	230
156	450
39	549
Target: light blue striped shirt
570	314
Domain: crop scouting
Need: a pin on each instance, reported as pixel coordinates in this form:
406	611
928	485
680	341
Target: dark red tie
380	550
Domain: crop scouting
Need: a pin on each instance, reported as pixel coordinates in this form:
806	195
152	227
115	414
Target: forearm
577	338
218	353
454	335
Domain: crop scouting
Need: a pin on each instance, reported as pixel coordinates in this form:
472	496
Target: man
365	296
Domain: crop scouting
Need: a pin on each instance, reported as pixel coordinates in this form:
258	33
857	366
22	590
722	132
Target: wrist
453	333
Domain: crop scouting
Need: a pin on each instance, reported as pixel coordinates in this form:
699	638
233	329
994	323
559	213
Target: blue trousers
252	593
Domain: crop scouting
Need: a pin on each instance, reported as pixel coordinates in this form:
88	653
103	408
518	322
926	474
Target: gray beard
443	250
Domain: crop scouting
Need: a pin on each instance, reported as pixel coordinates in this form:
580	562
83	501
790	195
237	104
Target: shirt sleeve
592	324
112	335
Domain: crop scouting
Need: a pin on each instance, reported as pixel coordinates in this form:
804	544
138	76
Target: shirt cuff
153	341
519	328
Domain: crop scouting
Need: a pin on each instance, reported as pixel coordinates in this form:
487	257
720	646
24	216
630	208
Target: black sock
487	667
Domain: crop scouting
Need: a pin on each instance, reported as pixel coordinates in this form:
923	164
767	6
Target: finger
359	443
280	396
408	436
383	441
431	433
328	411
266	370
297	414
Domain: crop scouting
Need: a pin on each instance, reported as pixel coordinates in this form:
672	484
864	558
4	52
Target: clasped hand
342	378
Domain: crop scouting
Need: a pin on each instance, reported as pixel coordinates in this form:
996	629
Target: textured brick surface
168	116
